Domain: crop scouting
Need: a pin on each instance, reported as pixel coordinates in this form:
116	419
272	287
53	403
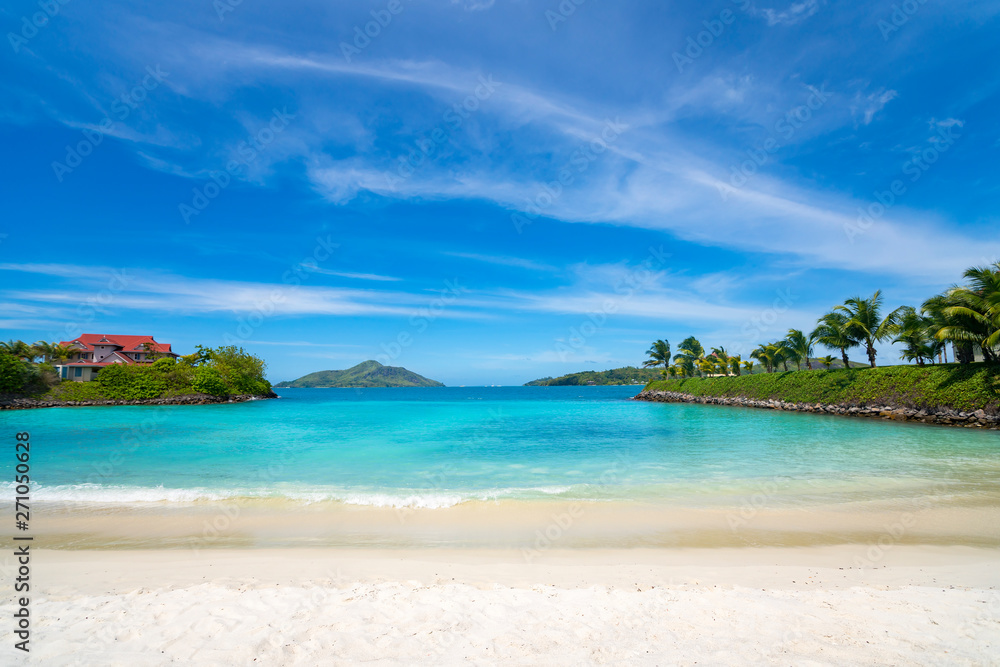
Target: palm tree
801	346
689	353
62	353
833	332
659	353
864	318
734	363
721	359
972	313
19	349
827	360
782	355
45	350
770	355
748	367
913	332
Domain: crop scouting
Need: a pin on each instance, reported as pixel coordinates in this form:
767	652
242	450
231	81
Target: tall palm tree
833	332
734	363
864	317
768	354
801	346
782	355
689	353
45	350
721	359
973	311
913	332
659	353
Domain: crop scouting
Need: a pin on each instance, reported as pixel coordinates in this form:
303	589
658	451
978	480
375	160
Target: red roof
128	343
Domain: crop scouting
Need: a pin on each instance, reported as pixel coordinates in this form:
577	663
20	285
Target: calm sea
440	447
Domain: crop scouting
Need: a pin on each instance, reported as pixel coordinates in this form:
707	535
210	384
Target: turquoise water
438	447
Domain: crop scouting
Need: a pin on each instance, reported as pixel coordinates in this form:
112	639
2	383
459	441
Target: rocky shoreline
27	403
941	416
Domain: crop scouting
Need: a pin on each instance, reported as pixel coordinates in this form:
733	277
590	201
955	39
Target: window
77	372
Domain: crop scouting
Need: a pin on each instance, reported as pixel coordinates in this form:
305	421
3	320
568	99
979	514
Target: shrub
208	380
130	383
164	364
242	372
15	374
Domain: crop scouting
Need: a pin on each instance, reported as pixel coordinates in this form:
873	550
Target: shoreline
763	519
938	416
30	403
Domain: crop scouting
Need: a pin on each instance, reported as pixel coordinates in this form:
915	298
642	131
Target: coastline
938	416
29	403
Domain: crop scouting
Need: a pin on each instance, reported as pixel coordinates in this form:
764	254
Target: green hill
627	375
365	374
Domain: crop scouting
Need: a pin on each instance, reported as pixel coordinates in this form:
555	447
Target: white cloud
795	13
503	261
871	104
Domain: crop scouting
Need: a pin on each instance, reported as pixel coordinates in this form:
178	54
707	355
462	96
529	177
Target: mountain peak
366	374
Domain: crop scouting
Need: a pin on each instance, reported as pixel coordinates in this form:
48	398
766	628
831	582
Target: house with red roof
95	351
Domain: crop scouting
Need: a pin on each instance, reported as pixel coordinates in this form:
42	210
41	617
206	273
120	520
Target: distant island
365	374
617	376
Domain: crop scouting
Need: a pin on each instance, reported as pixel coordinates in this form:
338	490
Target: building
95	351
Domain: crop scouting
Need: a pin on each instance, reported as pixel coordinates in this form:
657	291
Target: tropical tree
972	313
934	310
659	353
748	367
835	333
800	346
827	360
769	354
913	332
721	359
689	353
20	349
734	363
45	350
62	353
864	318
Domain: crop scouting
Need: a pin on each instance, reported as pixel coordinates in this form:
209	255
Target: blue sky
487	191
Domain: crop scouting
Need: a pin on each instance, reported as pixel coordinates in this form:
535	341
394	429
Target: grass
967	387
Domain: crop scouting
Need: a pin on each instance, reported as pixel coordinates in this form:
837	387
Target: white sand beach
914	605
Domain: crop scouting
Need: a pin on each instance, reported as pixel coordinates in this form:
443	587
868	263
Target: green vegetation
224	371
365	374
967	316
617	376
966	387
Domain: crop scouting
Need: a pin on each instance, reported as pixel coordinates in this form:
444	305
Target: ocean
435	450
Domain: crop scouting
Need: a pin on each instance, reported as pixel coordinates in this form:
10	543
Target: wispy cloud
501	260
869	105
795	13
355	276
